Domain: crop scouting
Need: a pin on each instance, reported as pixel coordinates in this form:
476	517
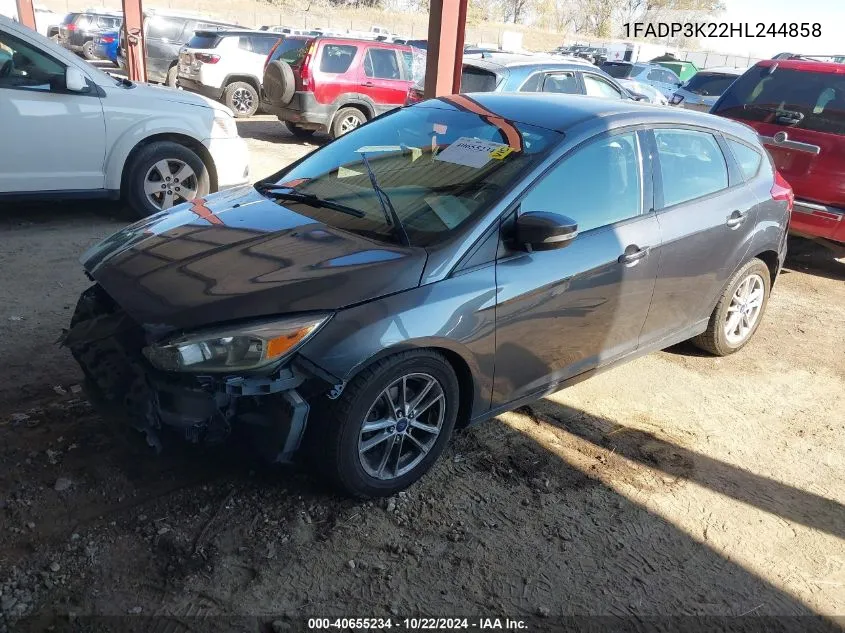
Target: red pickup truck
797	107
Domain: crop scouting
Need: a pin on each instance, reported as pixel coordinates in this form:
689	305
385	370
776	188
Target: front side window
337	58
691	165
381	64
747	158
25	67
441	166
611	166
566	83
598	87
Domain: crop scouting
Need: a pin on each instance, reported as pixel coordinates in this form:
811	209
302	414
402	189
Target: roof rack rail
836	58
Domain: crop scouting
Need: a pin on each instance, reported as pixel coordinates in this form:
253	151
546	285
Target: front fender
456	315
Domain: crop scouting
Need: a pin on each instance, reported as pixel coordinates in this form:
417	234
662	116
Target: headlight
234	349
224	125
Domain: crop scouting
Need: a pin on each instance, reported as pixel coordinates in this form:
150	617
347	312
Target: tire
88	51
299	132
342	122
279	83
336	435
172	77
142	167
715	338
241	98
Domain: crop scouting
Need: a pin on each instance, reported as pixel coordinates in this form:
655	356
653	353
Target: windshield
709	84
617	71
439	166
799	99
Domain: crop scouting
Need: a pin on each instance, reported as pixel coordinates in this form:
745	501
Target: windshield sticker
449	209
345	172
501	152
369	149
471	152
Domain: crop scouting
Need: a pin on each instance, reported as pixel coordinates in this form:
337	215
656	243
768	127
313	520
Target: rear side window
748	159
792	98
381	63
566	83
161	28
475	79
709	84
108	23
204	41
289	49
263	45
337	58
691	165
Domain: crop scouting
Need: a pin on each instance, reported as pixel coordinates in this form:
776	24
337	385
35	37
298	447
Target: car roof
804	65
561	112
230	32
516	61
722	70
361	40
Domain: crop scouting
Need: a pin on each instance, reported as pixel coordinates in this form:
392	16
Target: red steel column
446	26
26	14
133	36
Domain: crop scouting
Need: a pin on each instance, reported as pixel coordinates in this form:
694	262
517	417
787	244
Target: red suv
798	109
334	84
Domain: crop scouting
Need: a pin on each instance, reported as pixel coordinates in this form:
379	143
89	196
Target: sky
829	13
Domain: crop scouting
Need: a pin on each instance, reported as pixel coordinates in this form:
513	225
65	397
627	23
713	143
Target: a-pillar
133	38
446	26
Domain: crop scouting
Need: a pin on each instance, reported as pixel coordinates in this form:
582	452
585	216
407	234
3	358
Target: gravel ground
679	484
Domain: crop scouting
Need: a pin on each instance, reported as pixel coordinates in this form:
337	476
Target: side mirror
75	81
543	230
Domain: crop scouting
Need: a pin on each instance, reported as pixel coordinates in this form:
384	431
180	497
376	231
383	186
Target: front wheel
389	426
162	175
739	311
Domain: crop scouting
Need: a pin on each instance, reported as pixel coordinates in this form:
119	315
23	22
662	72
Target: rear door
800	116
336	71
163	40
705	213
382	78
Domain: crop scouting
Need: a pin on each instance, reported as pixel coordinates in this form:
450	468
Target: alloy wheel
242	100
170	181
401	426
744	310
349	123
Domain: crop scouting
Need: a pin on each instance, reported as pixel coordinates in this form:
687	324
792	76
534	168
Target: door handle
736	218
369	84
633	254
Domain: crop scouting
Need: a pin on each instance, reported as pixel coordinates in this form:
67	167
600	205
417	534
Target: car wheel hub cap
170	181
349	123
744	310
401	426
242	100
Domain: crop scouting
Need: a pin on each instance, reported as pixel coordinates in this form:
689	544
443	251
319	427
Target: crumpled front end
122	384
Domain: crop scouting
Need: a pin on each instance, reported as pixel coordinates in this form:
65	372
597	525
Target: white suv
227	65
70	130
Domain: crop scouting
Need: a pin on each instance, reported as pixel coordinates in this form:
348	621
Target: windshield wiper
285	193
387	207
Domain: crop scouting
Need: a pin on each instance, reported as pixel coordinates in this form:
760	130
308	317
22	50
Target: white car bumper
231	160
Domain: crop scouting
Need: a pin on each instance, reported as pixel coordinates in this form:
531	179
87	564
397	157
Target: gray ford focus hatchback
439	265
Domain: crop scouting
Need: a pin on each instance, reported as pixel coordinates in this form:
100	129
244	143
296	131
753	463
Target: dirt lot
679	484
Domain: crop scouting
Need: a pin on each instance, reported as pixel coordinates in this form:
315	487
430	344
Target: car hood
178	96
237	255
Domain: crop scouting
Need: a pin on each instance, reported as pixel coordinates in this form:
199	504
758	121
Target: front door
563	312
52	139
706	218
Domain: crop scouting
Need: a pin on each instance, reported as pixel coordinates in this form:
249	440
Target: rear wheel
162	175
346	120
88	50
298	131
739	311
172	77
389	426
242	99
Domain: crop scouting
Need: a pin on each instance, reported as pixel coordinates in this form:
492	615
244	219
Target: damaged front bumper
122	384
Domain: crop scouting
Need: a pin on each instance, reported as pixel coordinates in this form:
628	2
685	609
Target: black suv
165	34
78	30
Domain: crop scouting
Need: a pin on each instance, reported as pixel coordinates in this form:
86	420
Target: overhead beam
133	38
444	60
26	14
